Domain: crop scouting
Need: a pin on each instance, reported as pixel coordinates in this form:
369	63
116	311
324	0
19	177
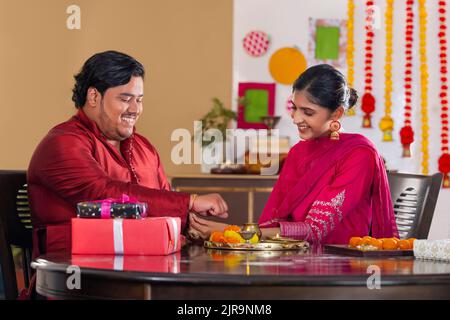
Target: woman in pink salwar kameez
333	185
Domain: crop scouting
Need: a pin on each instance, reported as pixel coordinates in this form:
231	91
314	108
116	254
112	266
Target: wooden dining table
200	273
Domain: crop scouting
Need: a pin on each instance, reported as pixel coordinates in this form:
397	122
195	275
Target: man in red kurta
97	154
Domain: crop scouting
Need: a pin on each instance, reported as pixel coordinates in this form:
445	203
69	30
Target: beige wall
185	46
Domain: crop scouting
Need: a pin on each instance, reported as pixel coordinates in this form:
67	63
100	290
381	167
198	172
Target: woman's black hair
105	70
327	87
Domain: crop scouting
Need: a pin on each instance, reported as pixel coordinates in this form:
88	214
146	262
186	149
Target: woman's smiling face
311	119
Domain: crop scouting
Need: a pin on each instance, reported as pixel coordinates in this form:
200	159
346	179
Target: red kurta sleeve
65	165
162	178
164	183
352	181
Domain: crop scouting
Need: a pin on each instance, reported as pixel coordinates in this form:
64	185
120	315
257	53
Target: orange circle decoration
286	64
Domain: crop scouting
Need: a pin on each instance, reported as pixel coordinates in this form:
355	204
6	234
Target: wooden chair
15	229
414	198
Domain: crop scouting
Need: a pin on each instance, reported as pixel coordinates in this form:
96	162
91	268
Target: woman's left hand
204	227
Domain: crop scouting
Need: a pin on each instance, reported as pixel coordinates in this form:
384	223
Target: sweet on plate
230	234
369	243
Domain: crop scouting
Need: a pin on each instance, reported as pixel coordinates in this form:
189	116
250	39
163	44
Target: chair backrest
414	198
15	228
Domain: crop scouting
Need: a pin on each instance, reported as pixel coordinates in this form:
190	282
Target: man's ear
337	114
91	97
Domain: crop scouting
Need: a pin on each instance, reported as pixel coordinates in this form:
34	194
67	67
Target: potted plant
217	118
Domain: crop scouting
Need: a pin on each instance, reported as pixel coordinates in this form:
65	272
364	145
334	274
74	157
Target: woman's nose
296	116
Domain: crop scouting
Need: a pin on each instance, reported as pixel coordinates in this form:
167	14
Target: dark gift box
125	208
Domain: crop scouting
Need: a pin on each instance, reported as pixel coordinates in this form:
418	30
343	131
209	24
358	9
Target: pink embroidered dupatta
294	185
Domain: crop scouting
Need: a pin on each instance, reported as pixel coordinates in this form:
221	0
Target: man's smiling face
119	109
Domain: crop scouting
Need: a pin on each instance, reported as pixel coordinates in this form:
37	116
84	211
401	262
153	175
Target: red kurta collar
93	127
88	123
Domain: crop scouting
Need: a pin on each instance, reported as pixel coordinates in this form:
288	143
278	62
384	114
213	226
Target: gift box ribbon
118	235
175	234
106	205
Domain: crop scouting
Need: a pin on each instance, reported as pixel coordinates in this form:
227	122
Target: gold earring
334	127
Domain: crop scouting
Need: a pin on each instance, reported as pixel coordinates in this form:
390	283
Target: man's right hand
210	204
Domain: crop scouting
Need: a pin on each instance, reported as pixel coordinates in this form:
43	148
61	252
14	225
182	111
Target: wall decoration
328	42
286	65
368	100
387	123
350	48
256	43
407	133
444	159
289	104
423	84
256	100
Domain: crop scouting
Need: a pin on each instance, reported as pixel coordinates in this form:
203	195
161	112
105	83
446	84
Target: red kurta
75	163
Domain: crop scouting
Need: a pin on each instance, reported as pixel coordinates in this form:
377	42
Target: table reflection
194	259
163	264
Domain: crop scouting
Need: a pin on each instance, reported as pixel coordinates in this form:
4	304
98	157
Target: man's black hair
105	70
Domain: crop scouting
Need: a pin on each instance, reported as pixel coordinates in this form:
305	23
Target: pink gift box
148	236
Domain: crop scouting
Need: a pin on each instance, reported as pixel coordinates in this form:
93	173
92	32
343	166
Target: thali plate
261	246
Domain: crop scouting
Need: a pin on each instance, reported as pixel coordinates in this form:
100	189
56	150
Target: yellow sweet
232	237
254	239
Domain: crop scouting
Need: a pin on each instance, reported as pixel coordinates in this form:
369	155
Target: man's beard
114	134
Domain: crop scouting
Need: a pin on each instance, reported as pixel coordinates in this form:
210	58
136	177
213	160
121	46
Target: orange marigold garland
423	84
387	123
350	49
444	159
368	100
407	133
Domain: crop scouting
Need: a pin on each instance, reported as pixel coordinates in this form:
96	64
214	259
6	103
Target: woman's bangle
193	197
